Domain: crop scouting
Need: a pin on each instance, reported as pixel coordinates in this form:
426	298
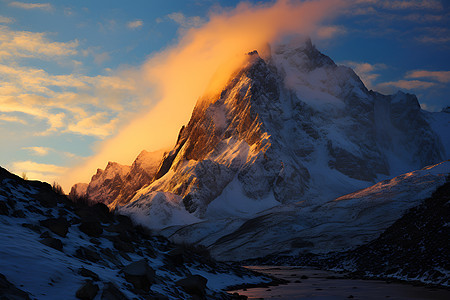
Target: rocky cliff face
282	126
293	127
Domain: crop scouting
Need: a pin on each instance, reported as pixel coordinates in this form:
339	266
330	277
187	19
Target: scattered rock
112	257
9	291
53	243
88	273
175	256
88	291
193	285
125	221
95	241
304	277
156	296
92	229
86	214
122	246
4	210
45	234
102	212
34	209
18	214
236	296
32	227
46	198
139	274
88	253
112	292
59	226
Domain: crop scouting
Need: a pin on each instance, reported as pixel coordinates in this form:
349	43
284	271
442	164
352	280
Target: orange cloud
41	151
366	71
441	76
409	84
180	74
13	119
32	44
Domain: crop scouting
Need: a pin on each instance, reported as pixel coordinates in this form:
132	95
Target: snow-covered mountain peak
291	127
317	80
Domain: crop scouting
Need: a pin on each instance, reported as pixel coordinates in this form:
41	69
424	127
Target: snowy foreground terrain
51	248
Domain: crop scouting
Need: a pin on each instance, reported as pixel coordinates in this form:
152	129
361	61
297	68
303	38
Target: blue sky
70	79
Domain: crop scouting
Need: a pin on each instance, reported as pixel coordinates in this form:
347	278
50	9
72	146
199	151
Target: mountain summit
291	128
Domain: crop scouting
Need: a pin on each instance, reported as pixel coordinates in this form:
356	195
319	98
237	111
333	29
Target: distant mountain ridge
117	183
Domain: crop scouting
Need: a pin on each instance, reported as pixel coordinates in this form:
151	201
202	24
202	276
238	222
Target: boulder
92	229
9	291
193	285
103	213
59	226
88	273
112	292
47	198
88	253
53	243
4	210
139	274
87	291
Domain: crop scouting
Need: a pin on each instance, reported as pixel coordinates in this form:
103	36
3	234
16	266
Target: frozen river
325	285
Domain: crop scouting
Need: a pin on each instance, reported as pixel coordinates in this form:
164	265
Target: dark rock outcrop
59	226
9	291
193	285
87	291
140	275
53	243
414	247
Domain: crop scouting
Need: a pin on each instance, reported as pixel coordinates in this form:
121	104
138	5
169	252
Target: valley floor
327	285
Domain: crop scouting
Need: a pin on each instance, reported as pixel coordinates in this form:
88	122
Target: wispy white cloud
441	76
25	5
40	151
185	22
26	166
326	32
408	84
19	44
39	171
6	20
65	102
366	71
99	125
43	151
135	24
424	18
403	4
107	25
413	4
